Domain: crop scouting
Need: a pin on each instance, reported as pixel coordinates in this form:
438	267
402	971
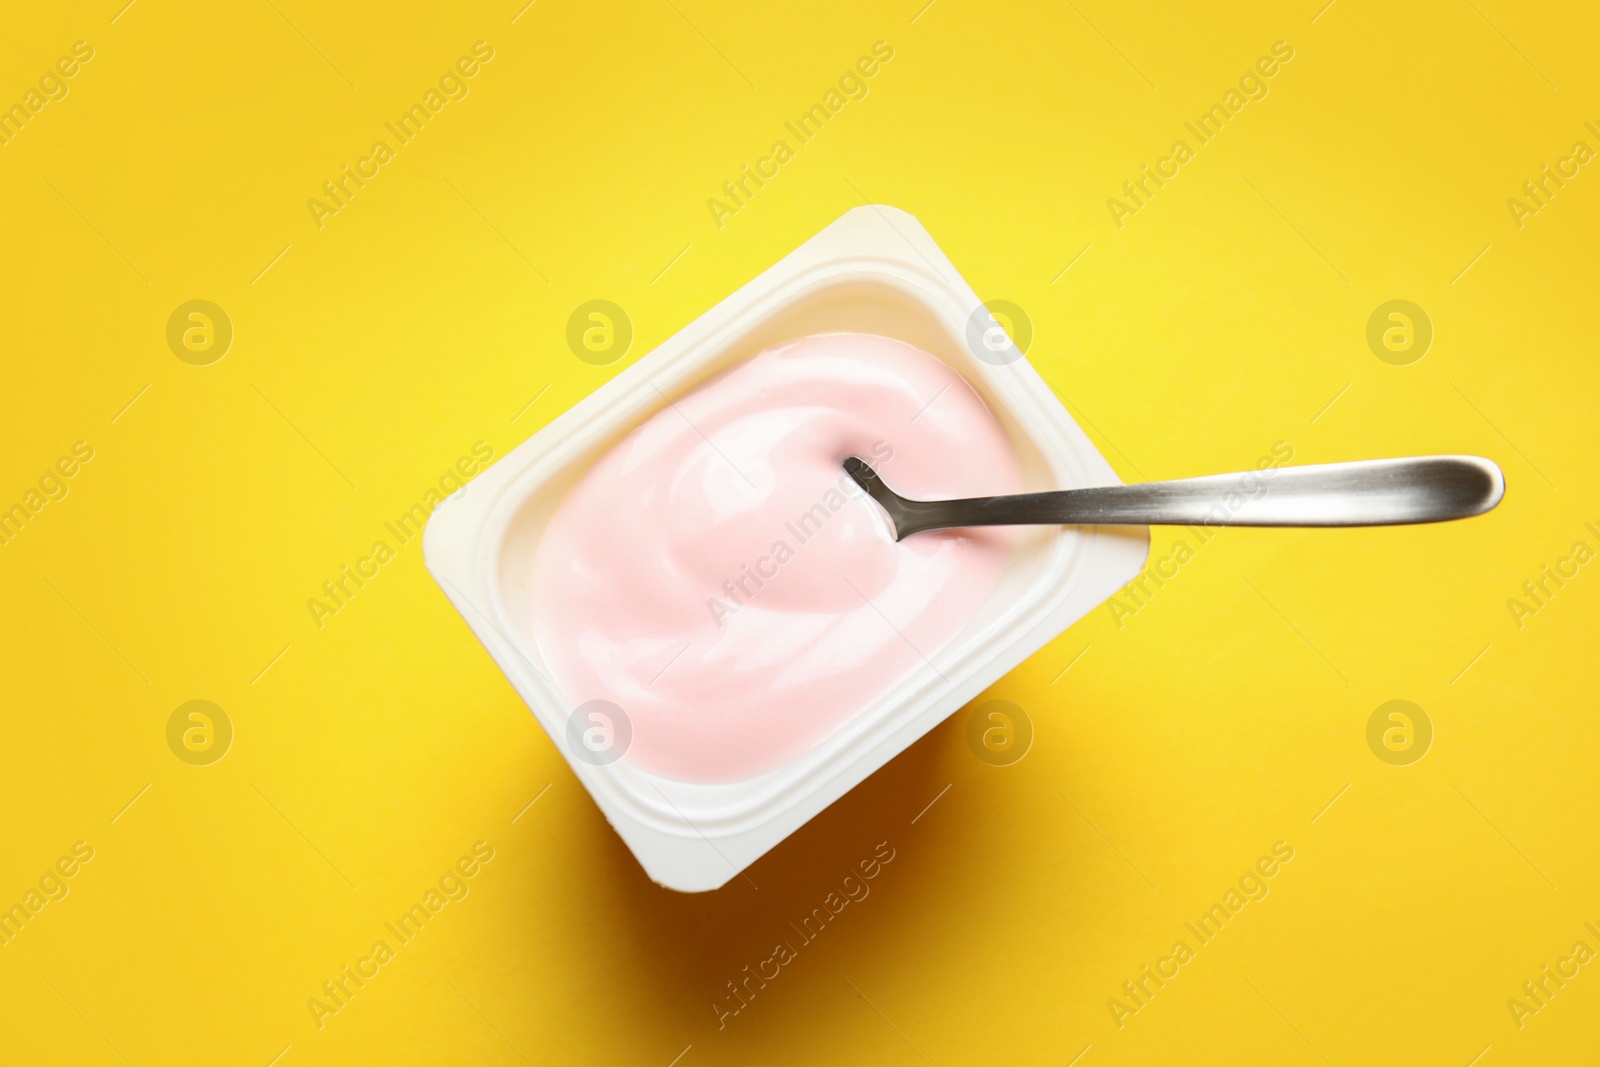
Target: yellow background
426	315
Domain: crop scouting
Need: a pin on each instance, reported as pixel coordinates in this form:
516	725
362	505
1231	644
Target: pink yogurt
719	577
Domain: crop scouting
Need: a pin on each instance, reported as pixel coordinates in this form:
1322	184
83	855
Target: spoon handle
1380	492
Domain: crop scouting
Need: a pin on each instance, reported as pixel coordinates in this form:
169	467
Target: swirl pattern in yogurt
719	577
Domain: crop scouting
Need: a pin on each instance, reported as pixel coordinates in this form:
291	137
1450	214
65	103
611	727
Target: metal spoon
1377	492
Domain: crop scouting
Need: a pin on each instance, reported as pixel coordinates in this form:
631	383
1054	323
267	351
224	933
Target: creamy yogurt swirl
719	577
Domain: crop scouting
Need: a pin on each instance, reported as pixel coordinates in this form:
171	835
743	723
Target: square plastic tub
874	270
